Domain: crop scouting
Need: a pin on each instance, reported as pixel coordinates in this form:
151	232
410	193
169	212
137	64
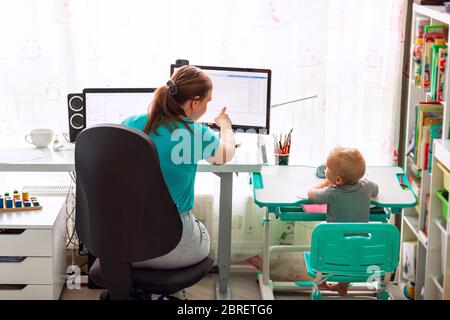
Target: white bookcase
432	269
437	265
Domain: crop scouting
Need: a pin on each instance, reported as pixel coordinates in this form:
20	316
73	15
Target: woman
181	142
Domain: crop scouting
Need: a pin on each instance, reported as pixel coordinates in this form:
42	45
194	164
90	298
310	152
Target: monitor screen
245	92
115	105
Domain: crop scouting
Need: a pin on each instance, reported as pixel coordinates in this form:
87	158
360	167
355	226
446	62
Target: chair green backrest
355	249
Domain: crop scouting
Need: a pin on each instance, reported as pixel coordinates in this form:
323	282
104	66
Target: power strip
59	190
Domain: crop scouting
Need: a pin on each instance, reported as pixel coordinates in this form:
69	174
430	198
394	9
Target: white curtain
348	52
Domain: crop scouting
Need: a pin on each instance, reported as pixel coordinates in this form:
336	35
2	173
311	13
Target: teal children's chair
353	252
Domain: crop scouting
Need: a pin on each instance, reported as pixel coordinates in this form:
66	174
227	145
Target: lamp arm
302	99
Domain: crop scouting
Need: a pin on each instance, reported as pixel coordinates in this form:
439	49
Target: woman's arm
227	147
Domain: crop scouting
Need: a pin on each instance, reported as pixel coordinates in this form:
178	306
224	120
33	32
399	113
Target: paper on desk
302	192
14	156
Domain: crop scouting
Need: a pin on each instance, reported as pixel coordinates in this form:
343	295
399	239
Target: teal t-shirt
179	150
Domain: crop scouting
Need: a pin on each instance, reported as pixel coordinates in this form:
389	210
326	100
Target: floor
243	287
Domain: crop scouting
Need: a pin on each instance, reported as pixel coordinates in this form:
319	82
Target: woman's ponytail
166	109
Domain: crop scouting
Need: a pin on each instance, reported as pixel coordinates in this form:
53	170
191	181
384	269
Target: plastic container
443	196
282	159
445	176
447	7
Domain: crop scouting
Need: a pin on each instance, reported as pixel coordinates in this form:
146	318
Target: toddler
345	192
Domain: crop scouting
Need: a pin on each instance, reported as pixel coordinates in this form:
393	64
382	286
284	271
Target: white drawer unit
32	252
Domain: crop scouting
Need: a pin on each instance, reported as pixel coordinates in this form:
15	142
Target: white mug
41	138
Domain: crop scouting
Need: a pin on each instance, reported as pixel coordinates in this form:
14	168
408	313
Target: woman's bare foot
324	286
341	288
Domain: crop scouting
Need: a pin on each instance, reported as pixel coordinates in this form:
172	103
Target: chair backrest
355	249
124	211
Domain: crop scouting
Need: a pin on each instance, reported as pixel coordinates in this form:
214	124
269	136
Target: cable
70	216
72	234
67	138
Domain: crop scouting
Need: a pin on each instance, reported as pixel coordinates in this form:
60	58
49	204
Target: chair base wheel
104	295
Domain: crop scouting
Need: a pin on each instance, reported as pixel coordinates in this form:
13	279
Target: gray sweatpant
193	247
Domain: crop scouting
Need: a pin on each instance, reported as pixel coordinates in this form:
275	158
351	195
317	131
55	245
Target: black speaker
77	114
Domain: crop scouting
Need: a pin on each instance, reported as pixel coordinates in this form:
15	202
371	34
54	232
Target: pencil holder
282	159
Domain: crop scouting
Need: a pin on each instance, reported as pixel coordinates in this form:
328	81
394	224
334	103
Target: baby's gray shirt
348	203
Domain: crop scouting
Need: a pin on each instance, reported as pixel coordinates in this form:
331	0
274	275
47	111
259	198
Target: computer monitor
109	105
244	91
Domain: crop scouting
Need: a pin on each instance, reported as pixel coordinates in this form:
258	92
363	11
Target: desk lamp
261	143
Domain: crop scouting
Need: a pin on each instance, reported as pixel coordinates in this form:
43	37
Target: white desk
289	185
246	159
31	159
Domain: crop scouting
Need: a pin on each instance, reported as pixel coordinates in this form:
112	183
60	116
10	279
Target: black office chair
125	214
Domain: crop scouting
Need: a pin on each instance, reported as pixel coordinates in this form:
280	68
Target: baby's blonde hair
348	163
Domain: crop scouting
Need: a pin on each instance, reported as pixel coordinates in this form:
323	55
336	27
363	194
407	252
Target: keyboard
52	190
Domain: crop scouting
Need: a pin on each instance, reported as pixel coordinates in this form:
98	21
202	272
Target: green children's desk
282	189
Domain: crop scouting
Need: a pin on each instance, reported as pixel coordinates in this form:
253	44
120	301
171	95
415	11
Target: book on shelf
415	186
438	57
435	133
433	35
424	147
443	53
412	140
428	113
426	218
426	138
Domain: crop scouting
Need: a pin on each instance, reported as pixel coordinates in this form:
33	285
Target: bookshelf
424	225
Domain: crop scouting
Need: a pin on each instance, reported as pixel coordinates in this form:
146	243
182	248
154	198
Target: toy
409	290
320	172
288	235
18	202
